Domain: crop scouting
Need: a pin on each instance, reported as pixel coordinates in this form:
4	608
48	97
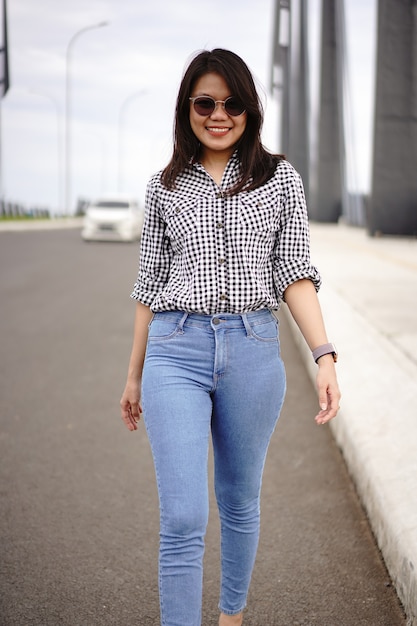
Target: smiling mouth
217	129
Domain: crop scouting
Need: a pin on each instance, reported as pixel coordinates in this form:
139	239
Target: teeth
217	130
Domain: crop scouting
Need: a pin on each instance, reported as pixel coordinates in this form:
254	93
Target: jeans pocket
162	329
266	331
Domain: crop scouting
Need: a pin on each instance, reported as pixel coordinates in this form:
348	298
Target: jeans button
216	320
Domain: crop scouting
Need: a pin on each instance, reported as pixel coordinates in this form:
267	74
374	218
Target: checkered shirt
206	252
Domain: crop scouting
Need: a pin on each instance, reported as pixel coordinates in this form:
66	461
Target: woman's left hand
328	390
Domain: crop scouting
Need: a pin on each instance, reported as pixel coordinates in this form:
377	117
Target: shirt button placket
221	252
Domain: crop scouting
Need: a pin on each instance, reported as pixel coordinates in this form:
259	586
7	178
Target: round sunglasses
206	105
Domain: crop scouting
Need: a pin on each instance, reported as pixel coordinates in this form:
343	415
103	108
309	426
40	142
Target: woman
225	239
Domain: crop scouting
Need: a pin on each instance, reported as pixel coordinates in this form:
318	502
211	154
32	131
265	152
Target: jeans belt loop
182	322
246	324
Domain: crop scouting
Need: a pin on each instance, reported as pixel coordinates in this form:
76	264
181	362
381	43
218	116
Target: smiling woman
225	239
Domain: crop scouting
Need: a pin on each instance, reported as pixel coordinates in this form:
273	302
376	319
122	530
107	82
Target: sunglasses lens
204	106
234	107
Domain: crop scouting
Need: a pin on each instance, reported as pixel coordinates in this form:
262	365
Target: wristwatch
326	348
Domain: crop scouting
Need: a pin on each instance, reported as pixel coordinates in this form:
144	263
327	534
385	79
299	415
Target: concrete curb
376	431
22	225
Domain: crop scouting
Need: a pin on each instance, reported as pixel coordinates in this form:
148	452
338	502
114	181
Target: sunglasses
205	105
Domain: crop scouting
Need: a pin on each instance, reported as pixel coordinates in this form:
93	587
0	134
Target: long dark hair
257	164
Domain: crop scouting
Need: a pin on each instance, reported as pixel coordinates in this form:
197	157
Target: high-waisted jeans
221	374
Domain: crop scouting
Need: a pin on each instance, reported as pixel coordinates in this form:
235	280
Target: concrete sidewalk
369	300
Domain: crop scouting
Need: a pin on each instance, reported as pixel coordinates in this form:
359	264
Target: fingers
130	414
328	392
325	415
329	398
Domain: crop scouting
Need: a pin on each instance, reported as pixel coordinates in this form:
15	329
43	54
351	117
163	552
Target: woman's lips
217	130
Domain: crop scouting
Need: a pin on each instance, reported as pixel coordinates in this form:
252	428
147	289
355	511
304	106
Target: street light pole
122	110
68	112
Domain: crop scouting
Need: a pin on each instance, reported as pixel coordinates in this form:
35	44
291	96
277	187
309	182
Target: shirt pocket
259	211
181	217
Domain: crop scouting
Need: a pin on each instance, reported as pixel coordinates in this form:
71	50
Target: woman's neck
215	164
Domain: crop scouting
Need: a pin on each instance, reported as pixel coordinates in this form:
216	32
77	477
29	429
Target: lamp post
122	110
68	112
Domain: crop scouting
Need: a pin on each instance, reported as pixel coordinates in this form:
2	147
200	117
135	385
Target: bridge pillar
393	202
289	77
280	68
326	204
298	118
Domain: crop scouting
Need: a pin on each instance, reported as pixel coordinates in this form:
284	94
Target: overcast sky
125	78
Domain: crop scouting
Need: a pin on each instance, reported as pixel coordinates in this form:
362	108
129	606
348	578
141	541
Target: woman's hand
304	305
328	390
130	401
130	408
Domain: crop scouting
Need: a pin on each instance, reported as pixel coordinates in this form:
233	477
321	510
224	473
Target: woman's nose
219	111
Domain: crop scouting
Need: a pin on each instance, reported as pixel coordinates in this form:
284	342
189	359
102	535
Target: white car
113	218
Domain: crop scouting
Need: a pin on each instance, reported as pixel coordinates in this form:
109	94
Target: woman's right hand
130	408
130	401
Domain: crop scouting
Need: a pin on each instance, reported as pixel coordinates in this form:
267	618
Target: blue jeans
221	374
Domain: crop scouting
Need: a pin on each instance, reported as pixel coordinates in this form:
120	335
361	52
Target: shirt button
219	225
178	210
223	297
221	261
216	320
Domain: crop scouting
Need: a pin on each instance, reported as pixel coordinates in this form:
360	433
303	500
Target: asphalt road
79	513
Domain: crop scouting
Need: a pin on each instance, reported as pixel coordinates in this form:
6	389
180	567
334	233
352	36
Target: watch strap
326	348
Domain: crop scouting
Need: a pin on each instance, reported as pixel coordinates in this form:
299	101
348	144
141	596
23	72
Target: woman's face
218	132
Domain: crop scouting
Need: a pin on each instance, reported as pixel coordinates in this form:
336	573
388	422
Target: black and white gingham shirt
205	252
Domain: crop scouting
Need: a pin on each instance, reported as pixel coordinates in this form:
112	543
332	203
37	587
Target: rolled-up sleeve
292	250
155	252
